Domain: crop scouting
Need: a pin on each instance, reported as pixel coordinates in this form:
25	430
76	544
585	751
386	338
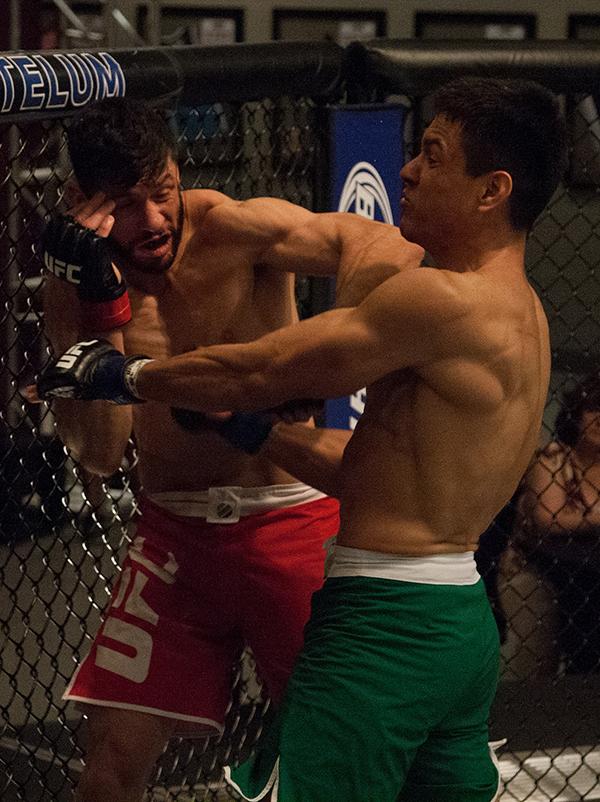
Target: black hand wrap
190	419
91	370
80	257
246	431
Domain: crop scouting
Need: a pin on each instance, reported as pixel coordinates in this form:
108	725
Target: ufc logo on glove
63	270
69	358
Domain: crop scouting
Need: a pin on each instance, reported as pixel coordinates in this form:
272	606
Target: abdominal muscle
171	458
407	500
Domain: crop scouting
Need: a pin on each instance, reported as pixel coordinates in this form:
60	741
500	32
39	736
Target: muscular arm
311	455
99	437
412	319
288	237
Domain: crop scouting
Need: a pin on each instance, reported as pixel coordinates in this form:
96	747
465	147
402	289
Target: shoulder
422	308
437	314
255	220
425	290
198	202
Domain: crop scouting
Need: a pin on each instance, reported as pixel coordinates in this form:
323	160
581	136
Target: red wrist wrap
106	315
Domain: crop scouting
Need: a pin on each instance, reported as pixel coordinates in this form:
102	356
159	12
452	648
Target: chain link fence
63	532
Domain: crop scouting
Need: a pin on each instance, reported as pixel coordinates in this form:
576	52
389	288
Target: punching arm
313	456
288	237
413	319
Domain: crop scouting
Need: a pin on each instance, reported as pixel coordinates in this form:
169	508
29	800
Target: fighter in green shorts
429	658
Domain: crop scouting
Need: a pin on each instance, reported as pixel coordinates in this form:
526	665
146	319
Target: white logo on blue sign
364	193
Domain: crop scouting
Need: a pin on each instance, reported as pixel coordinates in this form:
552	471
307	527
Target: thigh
166	645
349	725
454	766
391	695
124	737
280	575
383	664
342	742
455	763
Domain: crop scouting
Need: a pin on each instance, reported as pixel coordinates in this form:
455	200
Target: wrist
131	370
103	316
247	431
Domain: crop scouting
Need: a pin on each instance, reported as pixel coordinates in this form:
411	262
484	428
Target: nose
410	172
153	216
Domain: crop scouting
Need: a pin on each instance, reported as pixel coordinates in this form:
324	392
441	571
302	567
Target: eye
163	194
124	203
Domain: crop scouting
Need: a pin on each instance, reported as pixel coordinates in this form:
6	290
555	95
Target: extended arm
288	237
313	456
416	318
412	319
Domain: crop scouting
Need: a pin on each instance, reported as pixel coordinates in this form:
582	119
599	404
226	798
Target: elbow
99	463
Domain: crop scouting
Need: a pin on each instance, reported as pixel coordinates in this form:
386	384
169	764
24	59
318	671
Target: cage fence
63	531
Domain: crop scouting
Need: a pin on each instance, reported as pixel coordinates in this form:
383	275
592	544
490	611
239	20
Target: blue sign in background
366	154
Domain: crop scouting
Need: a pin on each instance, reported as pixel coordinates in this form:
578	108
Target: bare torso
210	295
439	451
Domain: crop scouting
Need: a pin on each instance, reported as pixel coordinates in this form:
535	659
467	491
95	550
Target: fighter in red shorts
229	547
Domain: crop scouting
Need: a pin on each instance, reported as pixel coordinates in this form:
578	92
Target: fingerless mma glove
80	257
92	370
246	431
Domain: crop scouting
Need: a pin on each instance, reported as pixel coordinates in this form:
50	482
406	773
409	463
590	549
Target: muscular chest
210	298
391	404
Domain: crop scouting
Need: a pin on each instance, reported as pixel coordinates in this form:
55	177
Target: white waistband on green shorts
228	504
435	569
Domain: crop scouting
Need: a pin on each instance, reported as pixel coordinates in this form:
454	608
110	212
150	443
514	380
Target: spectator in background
492	545
559	523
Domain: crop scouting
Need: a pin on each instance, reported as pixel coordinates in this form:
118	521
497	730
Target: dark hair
510	125
117	142
582	398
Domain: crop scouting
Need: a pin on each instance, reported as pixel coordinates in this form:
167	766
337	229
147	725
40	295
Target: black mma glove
92	370
77	255
246	431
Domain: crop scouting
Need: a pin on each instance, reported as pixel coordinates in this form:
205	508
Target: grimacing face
147	220
439	199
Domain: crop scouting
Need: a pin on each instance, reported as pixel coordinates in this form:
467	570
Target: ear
177	174
73	194
496	190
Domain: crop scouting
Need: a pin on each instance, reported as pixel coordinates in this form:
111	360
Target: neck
481	251
150	283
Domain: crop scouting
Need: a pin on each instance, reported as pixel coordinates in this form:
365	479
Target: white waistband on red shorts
224	505
435	569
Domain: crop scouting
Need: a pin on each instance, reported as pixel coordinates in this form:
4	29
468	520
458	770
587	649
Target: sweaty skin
222	277
456	360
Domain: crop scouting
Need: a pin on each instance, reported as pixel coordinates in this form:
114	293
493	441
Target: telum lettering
58	81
